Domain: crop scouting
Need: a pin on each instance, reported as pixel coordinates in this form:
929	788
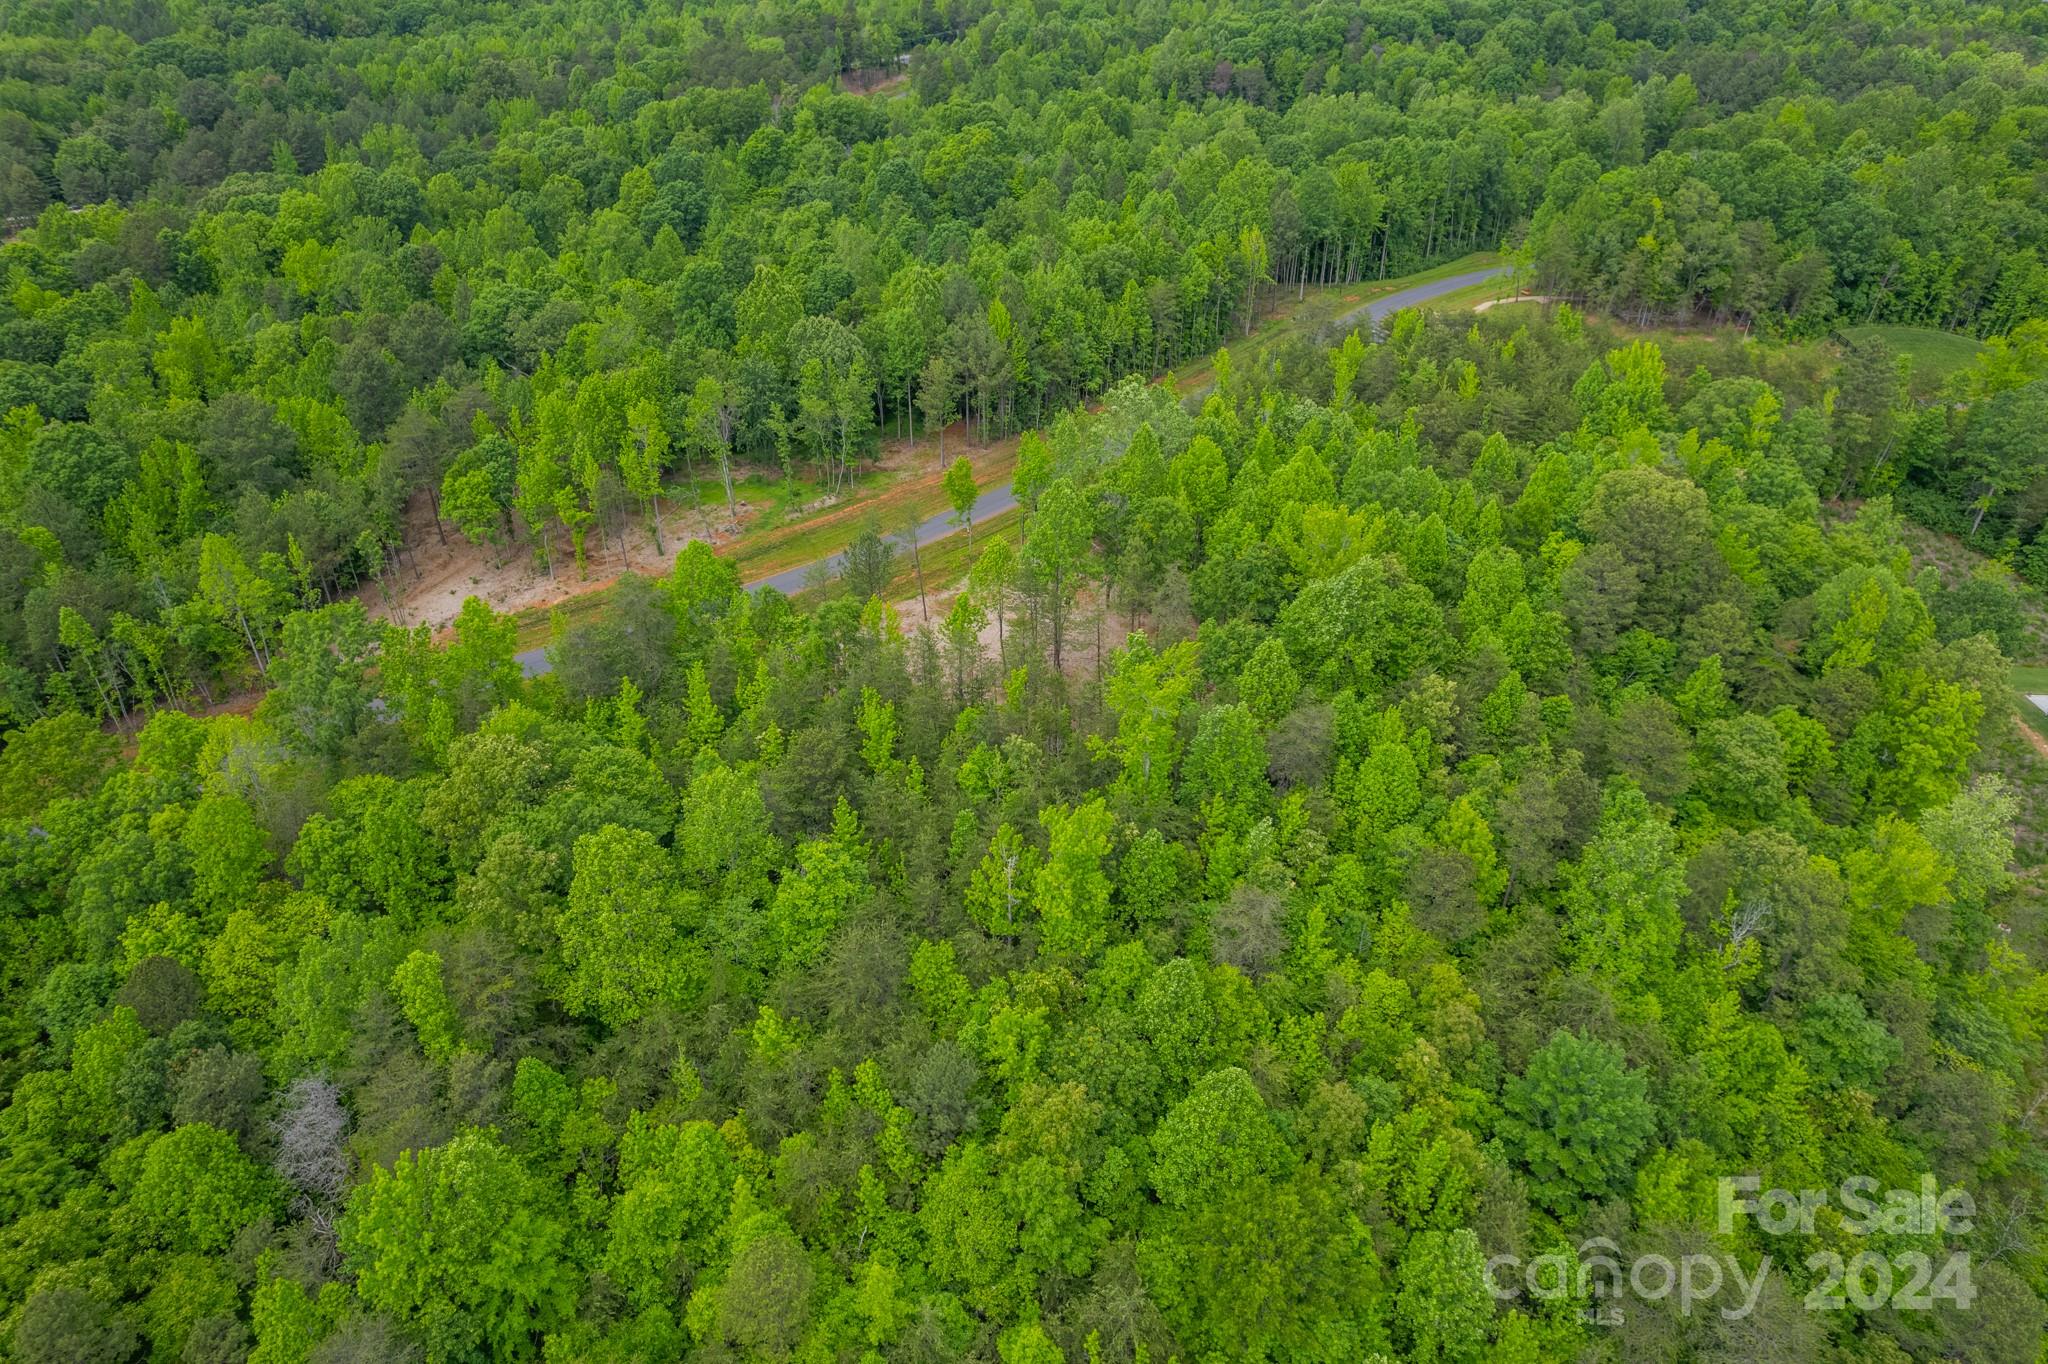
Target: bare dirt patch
1092	636
2040	745
1484	304
920	455
876	80
440	568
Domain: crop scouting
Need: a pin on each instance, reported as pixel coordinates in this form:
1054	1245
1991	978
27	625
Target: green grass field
1527	308
2031	681
1463	300
888	499
1934	355
946	561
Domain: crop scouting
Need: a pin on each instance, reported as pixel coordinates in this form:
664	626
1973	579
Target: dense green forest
315	264
1413	805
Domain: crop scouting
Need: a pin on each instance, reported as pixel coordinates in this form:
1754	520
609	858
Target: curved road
1415	295
996	500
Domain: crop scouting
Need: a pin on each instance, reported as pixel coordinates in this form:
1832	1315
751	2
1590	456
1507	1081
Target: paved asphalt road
997	500
1381	308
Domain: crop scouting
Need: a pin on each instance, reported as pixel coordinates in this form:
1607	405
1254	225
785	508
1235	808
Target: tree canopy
1381	803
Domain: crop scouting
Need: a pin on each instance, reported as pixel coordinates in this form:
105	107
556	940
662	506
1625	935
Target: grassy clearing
2031	681
946	561
2020	755
1934	355
1796	369
1790	366
902	496
1493	290
774	499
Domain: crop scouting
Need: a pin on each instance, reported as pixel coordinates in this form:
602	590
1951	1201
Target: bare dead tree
1746	921
310	1127
2002	1228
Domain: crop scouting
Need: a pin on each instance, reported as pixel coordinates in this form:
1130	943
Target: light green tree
1345	362
1071	890
676	1190
961	493
1220	1135
252	602
1001	884
1056	547
424	999
711	420
196	1189
460	1243
1146	690
643	455
627	934
1268	685
1621	910
989	581
1441	1303
829	877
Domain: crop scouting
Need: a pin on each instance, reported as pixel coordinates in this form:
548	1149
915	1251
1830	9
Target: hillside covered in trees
1418	804
316	266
